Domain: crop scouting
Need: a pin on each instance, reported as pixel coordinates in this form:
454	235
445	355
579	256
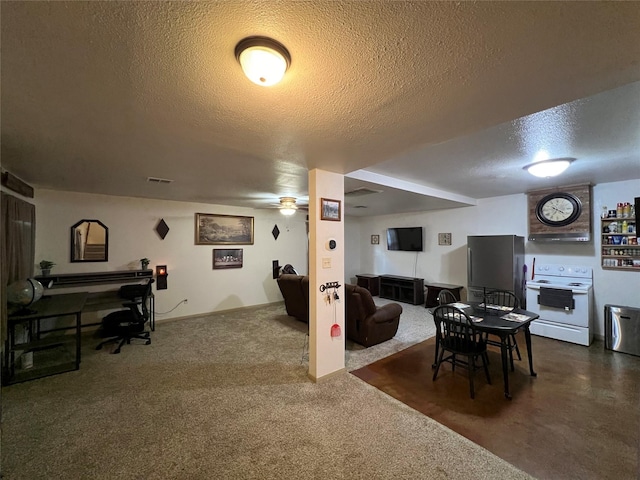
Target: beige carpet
224	396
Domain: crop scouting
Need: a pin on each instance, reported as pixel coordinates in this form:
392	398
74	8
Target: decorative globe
25	292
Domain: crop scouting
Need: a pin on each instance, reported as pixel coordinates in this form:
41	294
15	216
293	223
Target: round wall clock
558	209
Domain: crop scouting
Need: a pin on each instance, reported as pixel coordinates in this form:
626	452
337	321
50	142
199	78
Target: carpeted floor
578	419
416	325
223	396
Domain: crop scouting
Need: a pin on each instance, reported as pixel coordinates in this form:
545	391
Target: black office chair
124	325
504	298
458	336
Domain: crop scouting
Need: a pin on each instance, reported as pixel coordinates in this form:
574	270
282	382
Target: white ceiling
434	103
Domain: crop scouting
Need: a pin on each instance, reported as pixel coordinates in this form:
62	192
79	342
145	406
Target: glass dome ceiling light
263	60
549	168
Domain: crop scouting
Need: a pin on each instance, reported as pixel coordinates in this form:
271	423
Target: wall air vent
359	192
158	180
360	206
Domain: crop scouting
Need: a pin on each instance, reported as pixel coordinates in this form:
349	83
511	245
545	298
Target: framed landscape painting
330	209
213	229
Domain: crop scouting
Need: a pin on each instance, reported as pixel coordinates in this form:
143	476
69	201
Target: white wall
132	236
505	215
437	263
353	252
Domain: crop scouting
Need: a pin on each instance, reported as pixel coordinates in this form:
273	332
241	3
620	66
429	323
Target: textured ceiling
97	96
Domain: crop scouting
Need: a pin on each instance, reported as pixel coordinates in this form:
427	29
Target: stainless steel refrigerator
495	262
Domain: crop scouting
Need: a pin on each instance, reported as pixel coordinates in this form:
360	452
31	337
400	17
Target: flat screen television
407	239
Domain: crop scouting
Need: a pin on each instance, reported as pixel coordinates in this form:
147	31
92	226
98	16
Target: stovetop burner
575	284
543	281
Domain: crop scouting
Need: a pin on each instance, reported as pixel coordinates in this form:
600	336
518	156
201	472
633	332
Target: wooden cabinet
433	289
370	282
620	249
402	289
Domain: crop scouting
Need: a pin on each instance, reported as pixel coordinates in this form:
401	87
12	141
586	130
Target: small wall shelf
619	256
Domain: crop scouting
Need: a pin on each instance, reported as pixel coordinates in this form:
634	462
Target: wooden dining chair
444	297
459	337
504	298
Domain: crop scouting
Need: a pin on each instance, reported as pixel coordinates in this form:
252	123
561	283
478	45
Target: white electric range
563	297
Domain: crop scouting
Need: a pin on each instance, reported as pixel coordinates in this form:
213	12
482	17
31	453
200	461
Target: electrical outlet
185	301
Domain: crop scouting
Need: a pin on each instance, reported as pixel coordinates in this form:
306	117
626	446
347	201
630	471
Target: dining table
501	322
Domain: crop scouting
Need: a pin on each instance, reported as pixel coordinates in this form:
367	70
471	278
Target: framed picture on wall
212	229
444	239
330	209
227	258
375	239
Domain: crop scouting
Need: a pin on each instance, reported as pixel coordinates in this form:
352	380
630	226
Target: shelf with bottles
618	265
621	251
620	243
619	231
618	220
623	210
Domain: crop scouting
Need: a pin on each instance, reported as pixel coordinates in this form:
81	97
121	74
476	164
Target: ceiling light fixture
263	60
288	205
549	168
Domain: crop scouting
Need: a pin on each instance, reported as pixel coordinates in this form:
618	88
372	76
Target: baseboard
204	314
328	376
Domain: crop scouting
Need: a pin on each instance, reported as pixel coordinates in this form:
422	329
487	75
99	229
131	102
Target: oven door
559	311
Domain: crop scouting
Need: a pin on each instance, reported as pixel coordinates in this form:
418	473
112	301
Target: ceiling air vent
158	180
359	192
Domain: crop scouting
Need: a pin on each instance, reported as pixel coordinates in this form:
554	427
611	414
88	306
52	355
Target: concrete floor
579	418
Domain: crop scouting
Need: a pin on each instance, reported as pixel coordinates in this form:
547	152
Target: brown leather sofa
367	324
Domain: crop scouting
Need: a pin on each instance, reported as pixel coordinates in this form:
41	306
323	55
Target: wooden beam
14	183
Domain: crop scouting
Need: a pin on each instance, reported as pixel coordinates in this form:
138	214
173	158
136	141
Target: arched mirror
89	241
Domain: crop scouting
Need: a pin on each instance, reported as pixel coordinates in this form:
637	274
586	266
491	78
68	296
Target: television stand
402	289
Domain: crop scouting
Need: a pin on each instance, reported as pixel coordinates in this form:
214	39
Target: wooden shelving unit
402	289
619	256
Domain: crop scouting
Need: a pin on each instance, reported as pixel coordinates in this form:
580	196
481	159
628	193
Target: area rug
578	418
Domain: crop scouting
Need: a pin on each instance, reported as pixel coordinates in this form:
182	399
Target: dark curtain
17	246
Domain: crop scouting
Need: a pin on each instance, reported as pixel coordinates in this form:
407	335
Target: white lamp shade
262	65
287	211
549	168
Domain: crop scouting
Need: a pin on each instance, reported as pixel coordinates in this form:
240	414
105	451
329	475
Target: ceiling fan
288	206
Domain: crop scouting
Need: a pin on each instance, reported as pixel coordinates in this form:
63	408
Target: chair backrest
295	292
503	298
360	303
455	327
446	296
144	301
